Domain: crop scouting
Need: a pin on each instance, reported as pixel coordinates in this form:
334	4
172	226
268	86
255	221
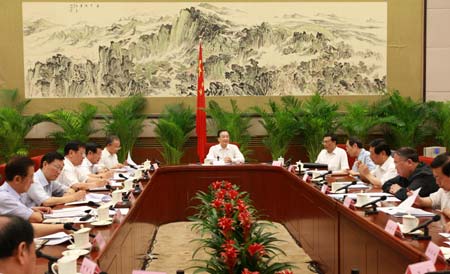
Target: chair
351	160
426	160
2	173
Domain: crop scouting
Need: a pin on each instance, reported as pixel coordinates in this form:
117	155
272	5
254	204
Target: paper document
56	238
408	203
93	197
396	212
68	212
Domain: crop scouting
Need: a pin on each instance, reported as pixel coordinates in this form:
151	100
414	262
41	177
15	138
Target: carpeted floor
174	248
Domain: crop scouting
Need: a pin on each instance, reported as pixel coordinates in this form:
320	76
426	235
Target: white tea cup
102	213
81	237
362	199
116	196
409	222
128	184
66	265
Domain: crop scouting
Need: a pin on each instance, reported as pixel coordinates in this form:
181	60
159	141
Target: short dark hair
18	166
111	138
222	130
354	140
380	145
12	232
440	160
50	157
408	153
92	147
333	136
72	145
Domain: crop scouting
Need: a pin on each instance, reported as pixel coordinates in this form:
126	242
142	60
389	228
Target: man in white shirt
355	149
70	175
441	199
19	177
224	151
109	154
335	157
46	190
380	153
89	168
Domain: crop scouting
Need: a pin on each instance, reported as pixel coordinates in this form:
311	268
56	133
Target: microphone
426	235
69	226
108	187
374	205
345	187
287	163
123	176
132	166
323	175
382	198
50	259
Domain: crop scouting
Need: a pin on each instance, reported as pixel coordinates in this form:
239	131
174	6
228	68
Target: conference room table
338	238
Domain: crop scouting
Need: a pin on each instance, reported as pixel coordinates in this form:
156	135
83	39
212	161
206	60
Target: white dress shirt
11	202
41	190
440	199
70	174
108	160
336	160
217	153
364	158
86	168
386	171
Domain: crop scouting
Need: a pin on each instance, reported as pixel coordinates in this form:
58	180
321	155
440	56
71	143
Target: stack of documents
54	239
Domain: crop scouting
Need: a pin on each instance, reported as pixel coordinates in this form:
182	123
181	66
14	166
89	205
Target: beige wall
404	64
438	50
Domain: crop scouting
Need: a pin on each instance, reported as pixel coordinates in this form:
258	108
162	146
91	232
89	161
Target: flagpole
201	105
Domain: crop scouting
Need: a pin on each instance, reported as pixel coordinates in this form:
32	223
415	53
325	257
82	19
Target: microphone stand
374	206
345	187
50	259
425	236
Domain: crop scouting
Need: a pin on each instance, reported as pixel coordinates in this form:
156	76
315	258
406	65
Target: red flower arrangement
232	236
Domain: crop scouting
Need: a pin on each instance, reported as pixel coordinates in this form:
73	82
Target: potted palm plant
315	118
440	113
173	129
280	124
234	122
126	122
410	122
14	126
75	125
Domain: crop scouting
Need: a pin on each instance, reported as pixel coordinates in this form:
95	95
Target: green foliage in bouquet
232	236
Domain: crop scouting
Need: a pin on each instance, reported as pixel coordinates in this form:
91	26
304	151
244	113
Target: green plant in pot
173	129
233	121
75	125
410	122
316	117
14	126
280	124
126	121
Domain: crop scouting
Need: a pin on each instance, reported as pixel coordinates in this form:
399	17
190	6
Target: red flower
241	206
232	194
229	255
285	272
216	185
226	225
246	271
220	194
228	209
257	249
217	203
228	185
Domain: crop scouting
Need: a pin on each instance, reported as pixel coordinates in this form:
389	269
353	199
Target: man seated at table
440	199
46	190
355	149
17	252
19	177
380	153
412	175
89	168
335	157
70	175
224	151
109	158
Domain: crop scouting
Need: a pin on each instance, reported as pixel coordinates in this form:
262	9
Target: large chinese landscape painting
119	49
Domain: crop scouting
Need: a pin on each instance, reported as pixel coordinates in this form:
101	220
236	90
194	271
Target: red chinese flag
201	115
